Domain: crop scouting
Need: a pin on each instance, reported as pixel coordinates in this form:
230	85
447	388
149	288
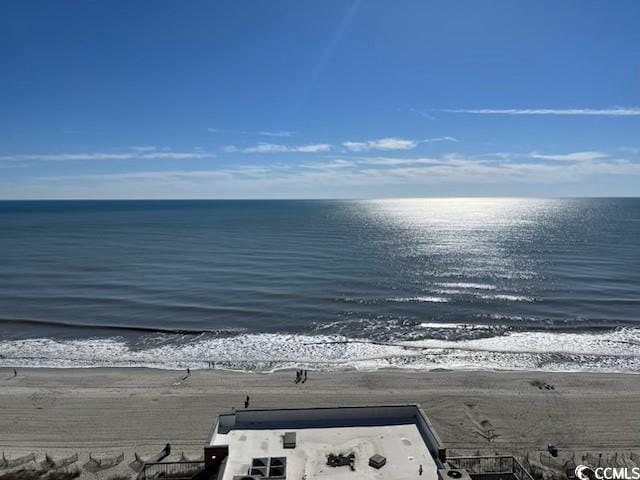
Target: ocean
519	284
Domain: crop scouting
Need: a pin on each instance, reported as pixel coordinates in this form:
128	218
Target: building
350	443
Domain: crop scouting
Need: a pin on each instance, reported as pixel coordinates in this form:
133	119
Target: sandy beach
110	411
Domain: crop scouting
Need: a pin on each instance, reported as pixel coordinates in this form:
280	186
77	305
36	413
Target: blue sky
281	99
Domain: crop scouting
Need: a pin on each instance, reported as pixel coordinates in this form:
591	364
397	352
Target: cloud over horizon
279	148
368	173
571	157
261	133
611	112
391	143
134	153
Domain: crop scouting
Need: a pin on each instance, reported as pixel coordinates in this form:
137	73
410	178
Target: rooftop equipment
377	461
453	474
267	467
342	460
289	440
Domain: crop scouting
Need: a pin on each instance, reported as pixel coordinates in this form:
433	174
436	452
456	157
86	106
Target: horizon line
254	199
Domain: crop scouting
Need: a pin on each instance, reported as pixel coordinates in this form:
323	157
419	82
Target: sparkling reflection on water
383	270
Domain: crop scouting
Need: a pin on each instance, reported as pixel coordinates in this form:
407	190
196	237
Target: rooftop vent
377	461
266	467
453	474
259	467
276	472
289	440
278	467
260	462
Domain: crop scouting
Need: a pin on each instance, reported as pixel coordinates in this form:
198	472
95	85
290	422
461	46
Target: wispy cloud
384	170
146	175
631	150
396	161
515	165
334	164
611	112
571	157
280	148
422	113
134	153
439	139
391	143
143	148
283	133
382	144
326	177
262	133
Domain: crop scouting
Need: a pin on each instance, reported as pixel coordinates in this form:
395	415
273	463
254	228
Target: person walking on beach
246	402
15	372
305	376
188	372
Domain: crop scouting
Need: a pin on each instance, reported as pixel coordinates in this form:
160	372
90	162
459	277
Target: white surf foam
617	351
454	326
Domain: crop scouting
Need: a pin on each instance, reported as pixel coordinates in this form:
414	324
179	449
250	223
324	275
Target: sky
319	99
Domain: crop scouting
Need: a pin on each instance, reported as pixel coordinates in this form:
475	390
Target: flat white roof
402	445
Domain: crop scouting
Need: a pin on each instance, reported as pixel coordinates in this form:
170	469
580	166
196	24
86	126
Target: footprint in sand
40	400
542	385
481	426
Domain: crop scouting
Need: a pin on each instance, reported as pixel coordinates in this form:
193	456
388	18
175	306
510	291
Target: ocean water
536	284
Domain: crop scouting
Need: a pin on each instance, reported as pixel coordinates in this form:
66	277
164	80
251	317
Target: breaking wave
113	326
611	351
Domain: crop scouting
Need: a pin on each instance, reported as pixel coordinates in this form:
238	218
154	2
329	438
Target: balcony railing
170	470
490	465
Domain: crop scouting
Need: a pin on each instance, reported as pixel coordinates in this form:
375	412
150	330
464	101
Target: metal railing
14	462
171	470
499	464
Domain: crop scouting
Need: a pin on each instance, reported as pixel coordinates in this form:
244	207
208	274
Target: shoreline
309	366
615	351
